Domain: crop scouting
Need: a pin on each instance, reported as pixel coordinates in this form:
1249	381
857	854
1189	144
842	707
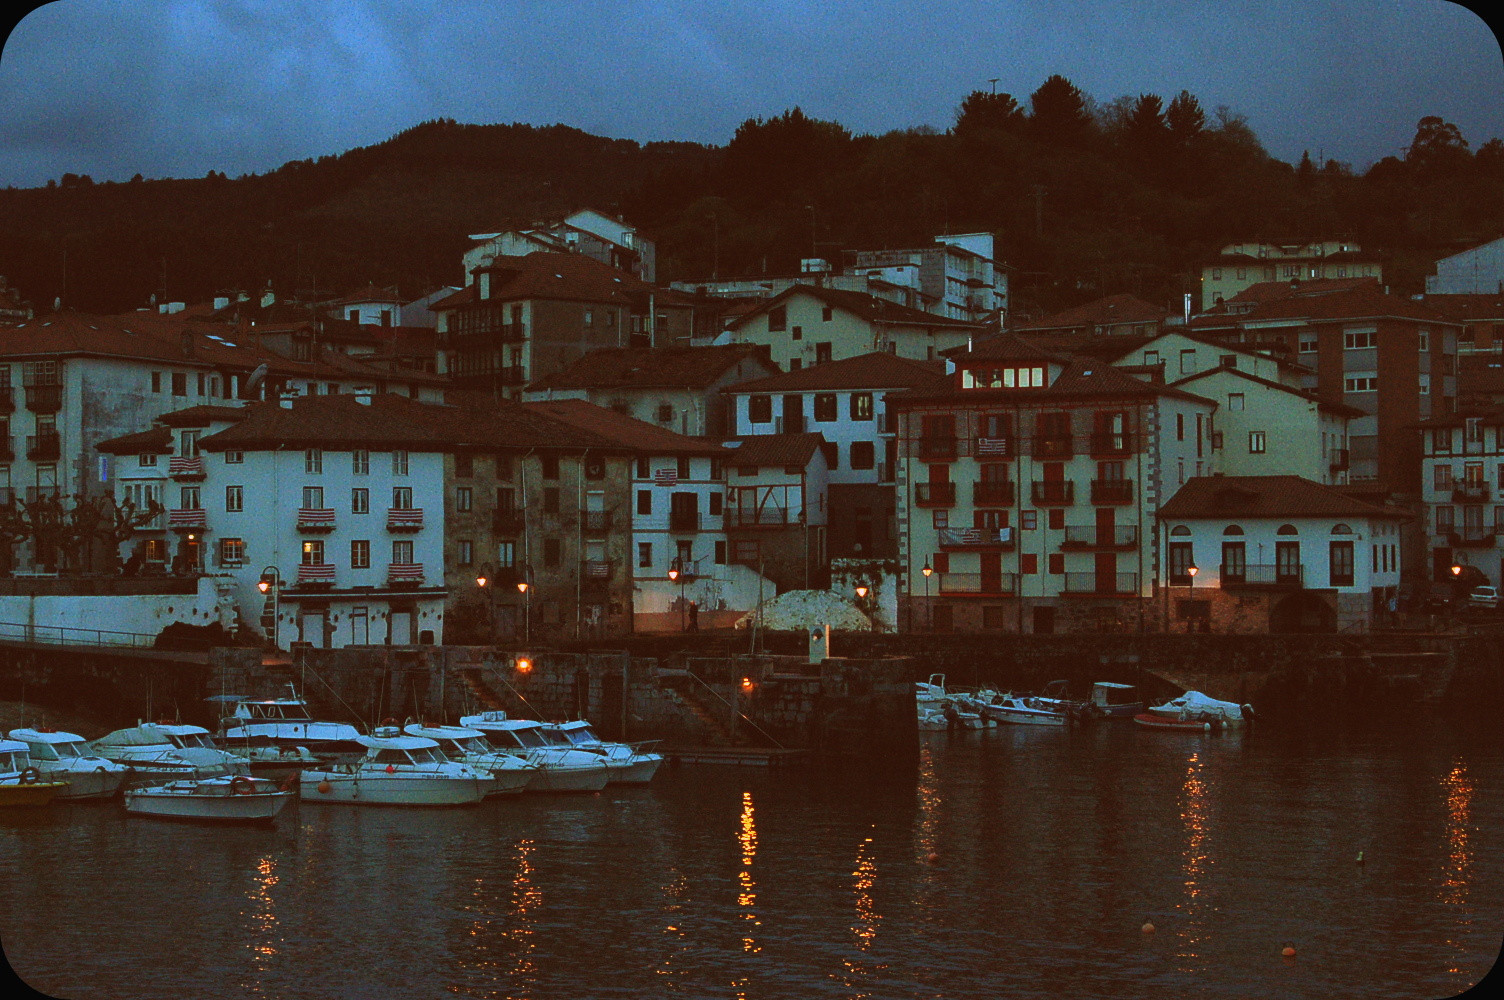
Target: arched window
1342	529
1180	529
1232	529
1287	529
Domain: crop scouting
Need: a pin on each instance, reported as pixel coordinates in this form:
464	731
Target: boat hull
38	793
637	771
165	803
570	778
1151	721
1018	715
90	784
390	790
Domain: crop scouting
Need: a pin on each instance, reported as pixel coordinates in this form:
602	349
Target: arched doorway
1302	612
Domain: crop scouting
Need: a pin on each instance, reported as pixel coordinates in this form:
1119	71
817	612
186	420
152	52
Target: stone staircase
691	696
474	679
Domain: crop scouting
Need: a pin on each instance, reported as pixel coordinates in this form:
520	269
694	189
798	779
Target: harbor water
1021	862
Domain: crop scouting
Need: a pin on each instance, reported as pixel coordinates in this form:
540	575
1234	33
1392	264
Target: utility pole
993	81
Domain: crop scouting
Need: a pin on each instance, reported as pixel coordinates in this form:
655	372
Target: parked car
1484	597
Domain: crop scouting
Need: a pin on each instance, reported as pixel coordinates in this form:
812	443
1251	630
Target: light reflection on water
992	863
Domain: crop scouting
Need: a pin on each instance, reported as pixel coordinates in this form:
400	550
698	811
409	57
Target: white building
336	501
1479	271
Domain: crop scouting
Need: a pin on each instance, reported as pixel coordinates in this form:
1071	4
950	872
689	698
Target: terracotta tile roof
1081	379
339	423
774	449
1108	348
1363	300
1268	291
157	441
1480	376
463	297
1005	347
568	276
1468	308
617	367
623	431
1111	310
878	370
867	307
1341	409
1266	496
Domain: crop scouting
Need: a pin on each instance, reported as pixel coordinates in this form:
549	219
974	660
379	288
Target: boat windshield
191	740
427	755
528	737
13	761
42	751
475	744
583	735
555	738
70	751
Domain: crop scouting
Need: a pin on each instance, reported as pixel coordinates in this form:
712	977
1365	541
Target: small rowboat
224	799
1200	724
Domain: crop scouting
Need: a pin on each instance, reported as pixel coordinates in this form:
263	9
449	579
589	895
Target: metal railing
1101	583
978	583
1057	492
993	491
934	494
1105	491
68	635
1260	575
1091	536
976	538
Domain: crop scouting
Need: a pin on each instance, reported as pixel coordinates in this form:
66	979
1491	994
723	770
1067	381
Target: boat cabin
46	745
13	758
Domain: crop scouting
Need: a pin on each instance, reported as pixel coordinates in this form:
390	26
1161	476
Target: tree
1438	147
62	530
1059	112
983	110
1144	132
1185	119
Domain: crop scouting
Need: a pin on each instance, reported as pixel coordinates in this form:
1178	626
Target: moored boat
224	799
628	764
560	769
67	757
1187	724
1110	700
397	770
1026	710
284	723
509	774
21	784
1194	703
167	751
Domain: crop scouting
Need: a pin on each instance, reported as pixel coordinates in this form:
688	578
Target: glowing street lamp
929	612
675	575
271	583
1190	572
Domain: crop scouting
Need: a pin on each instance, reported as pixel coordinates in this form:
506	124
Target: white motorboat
397	770
21	784
510	774
284	723
929	694
1025	710
1193	706
67	757
629	764
166	751
950	715
266	760
1110	700
560	769
225	799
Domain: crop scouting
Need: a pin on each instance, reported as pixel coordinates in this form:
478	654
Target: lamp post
929	614
676	575
483	580
1190	572
271	582
525	587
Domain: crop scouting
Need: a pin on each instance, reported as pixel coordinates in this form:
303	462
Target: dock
739	756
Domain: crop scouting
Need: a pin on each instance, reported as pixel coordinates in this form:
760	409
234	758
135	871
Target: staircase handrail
736	711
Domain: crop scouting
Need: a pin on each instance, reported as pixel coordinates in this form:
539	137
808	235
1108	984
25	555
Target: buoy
1289	952
325	788
934	857
390	769
1148	928
1360	857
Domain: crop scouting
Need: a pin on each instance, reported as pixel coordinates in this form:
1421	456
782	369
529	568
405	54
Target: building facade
1242	265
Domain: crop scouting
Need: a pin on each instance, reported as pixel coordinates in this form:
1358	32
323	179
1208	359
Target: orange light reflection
747	897
1195	814
1457	788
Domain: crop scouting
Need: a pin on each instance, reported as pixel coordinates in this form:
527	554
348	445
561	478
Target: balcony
317	574
315	518
398	574
976	538
996	492
186	467
1257	575
44	398
506	520
1054	446
595	522
978	583
1466	492
7	399
1117	584
1090	536
595	572
1111	491
934	494
1054	493
43	447
1108	445
404	519
187	519
996	448
1341	458
1471	536
486	334
937	449
766	517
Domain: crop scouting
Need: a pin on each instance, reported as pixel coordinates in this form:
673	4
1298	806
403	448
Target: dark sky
175	88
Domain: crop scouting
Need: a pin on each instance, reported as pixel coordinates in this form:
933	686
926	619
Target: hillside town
557	447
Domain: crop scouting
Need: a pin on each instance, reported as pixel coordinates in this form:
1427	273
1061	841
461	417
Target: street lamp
675	575
1190	572
524	587
271	583
483	580
929	613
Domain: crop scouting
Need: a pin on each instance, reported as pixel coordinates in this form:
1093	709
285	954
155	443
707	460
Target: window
145	461
313	497
360	553
1028	564
550	465
313	461
188	444
1472	430
1188	361
1057	563
1055	518
180	383
156	381
503	465
1342	564
1242	274
464	499
822	352
399	463
863	455
1151	358
402	497
551	551
1424	339
717	470
759	410
1180	427
201	383
313	552
825	406
1360	340
715	504
234	498
231	551
402	551
665	412
720	553
645	555
644	468
1255	442
188	498
683	467
1441	439
1028	519
832	454
550	499
861	406
940	519
1234	400
1442	476
1446	520
796	364
826	314
1182	558
1361	383
234	457
1425	383
797	333
465	552
360	501
506	555
644	502
464	465
1308	345
1216	274
778	319
1227	360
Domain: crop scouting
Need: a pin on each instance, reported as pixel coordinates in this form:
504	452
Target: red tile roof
337	423
867	307
1005	347
622	430
1468	308
774	449
1268	291
638	367
1341	409
1365	300
1266	496
1081	379
1111	310
878	370
568	276
157	441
